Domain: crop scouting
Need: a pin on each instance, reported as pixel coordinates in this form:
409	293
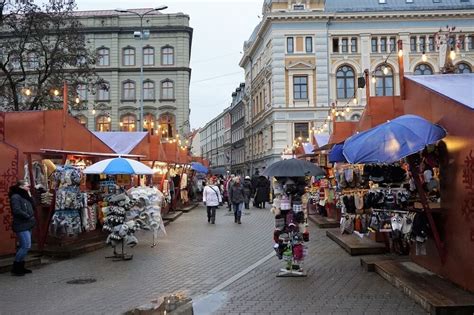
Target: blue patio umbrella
119	166
393	140
335	155
198	167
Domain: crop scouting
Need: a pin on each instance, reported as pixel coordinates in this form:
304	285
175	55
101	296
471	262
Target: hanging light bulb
348	109
325	125
337	114
56	92
77	100
27	92
423	57
374	79
121	124
109	119
354	101
93	111
400	53
307	139
452	54
329	117
334	111
343	114
385	70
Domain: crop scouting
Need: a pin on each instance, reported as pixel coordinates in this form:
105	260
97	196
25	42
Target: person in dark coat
254	182
237	197
22	206
262	194
248	191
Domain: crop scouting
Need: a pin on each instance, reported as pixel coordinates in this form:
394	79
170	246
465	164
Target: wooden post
401	69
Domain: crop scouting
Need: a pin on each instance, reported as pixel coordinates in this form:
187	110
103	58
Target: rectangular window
413	43
431	43
148	56
129	57
471	42
422	43
298	7
300	87
335	45
104	57
345	45
409	1
393	44
374	45
167	56
383	44
103	93
354	44
290	45
301	130
436	1
309	44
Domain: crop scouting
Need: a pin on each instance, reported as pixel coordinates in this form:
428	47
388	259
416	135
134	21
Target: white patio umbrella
119	166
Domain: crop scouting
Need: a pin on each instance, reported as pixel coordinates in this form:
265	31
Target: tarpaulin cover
458	87
121	142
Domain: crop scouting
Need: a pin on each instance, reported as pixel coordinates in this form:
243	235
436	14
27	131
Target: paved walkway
229	260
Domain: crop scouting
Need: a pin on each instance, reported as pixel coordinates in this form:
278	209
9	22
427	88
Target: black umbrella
293	168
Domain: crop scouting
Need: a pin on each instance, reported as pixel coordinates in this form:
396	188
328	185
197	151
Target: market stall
291	179
126	211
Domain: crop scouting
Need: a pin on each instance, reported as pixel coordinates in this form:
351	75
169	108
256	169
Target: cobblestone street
201	259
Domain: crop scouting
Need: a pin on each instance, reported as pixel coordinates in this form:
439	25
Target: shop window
302	130
128	123
300	87
148	56
103	123
82	120
167	90
423	69
129	56
167	56
463	68
128	90
149	121
103	57
167	125
148	90
345	82
384	81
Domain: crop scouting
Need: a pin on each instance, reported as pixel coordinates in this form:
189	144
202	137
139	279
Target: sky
220	29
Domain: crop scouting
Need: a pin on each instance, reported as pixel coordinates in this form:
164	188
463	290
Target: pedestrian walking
228	186
254	182
237	197
262	193
248	191
22	206
212	198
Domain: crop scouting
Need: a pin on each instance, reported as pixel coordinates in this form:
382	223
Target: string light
400	53
77	100
355	100
109	119
385	70
27	92
374	79
56	92
424	58
93	111
452	54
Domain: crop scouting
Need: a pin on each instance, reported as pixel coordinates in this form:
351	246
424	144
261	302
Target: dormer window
298	7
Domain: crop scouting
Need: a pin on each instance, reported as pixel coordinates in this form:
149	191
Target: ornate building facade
305	57
165	55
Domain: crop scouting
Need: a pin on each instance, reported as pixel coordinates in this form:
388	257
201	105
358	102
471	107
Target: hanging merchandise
291	228
67	219
184	188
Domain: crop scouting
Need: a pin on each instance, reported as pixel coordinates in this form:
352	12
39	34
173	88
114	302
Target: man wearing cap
211	197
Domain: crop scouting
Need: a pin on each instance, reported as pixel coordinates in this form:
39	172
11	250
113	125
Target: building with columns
305	57
165	55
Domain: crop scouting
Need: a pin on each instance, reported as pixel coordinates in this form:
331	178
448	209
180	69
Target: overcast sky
220	29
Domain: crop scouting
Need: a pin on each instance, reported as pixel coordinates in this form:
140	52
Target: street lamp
142	36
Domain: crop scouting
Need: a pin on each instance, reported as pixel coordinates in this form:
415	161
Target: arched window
148	90
103	123
167	90
423	69
384	81
129	56
148	56
128	90
463	67
345	82
167	56
167	125
103	56
103	92
355	117
149	121
128	123
82	120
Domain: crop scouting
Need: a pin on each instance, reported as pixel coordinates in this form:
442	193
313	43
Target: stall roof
458	87
121	142
54	151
